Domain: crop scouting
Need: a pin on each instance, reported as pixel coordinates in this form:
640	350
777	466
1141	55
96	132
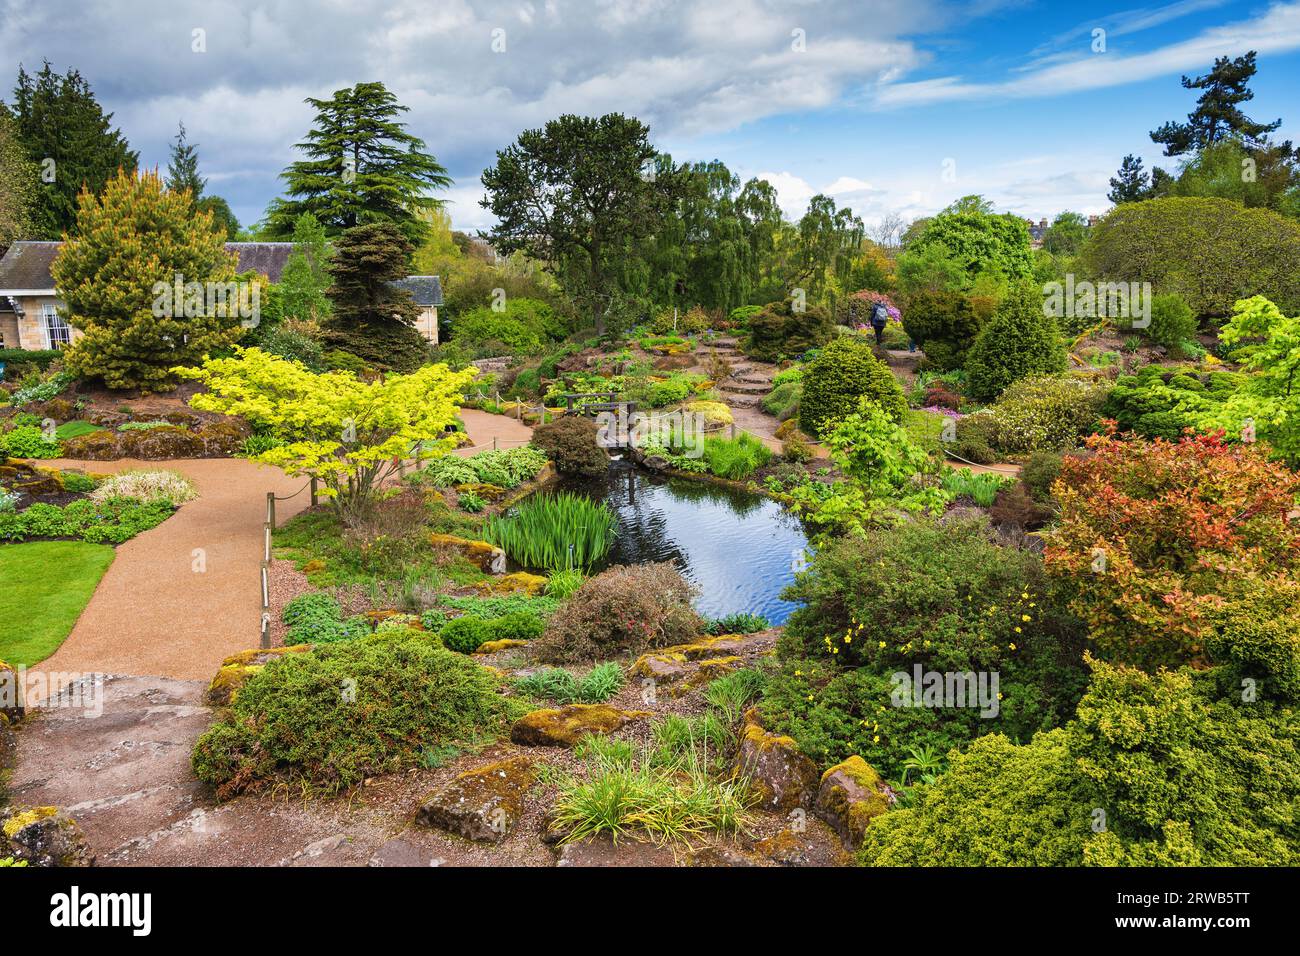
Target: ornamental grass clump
147	487
554	531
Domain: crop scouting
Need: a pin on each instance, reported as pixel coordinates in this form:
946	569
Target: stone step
741	401
748	389
751	379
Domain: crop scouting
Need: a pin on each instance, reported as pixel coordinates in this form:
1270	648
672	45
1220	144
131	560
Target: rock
238	668
43	836
851	795
723	855
488	557
155	444
565	726
521	582
791	847
601	851
492	647
782	776
661	666
706	672
481	804
11	692
92	446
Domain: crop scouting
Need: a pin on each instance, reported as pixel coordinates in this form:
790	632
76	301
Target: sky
889	106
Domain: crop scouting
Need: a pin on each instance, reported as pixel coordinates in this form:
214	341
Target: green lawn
43	587
75	429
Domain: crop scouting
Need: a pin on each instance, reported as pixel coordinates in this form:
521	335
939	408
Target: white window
57	331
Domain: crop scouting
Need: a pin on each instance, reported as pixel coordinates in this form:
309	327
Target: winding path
155	613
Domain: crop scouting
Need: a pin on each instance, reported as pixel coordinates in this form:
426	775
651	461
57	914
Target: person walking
879	316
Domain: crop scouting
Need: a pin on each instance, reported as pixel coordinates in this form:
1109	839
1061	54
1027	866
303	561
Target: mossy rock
852	794
661	666
237	669
482	804
93	446
488	557
157	444
43	836
565	726
485	490
493	647
780	775
520	582
705	673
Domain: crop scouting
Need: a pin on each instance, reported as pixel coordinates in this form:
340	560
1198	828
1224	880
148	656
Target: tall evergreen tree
71	140
362	166
1131	183
17	184
1218	114
371	318
183	167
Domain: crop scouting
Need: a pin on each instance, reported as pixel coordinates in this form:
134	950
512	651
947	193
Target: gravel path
180	597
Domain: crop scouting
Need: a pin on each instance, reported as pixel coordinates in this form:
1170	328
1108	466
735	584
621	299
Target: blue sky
871	101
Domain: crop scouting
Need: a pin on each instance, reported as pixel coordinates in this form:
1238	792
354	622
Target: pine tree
1131	183
1217	115
1018	341
183	168
70	139
306	275
117	272
363	166
371	318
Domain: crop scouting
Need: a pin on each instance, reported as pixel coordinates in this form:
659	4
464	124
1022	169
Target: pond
739	548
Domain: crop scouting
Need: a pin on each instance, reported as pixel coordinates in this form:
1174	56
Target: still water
738	548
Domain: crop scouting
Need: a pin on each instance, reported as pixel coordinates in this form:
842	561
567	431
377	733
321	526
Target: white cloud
1275	31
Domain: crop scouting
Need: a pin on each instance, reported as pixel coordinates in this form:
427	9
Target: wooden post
494	442
270	510
313	493
733	431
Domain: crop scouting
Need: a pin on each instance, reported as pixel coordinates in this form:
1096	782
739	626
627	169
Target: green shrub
108	522
943	325
599	684
779	332
1018	341
1172	321
505	468
525	326
333	717
28	441
1039	473
1156	402
1046	412
945	596
464	635
570	442
622	610
783	400
981	488
562	584
843	373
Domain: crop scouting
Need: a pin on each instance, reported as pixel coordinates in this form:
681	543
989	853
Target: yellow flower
1012	646
876	739
1025	617
798	673
848	639
1024	595
1019	631
882	643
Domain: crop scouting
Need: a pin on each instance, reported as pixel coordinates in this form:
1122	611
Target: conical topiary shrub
1020	340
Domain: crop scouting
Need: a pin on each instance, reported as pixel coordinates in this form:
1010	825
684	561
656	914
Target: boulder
661	666
722	855
565	726
798	847
851	795
601	851
93	446
488	557
782	777
156	444
520	582
481	804
43	836
237	669
492	647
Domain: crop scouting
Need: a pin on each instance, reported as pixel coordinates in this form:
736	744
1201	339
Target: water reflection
738	547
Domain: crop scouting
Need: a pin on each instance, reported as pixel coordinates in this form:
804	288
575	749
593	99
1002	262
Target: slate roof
26	265
425	290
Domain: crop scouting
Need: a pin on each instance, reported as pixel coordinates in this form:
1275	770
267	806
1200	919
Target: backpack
879	314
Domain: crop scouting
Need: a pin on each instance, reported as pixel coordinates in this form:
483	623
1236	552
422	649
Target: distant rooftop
26	266
425	290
